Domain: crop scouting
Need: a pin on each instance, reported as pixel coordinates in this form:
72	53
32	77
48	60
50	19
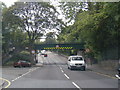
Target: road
55	74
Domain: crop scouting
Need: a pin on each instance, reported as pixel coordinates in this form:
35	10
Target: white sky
8	2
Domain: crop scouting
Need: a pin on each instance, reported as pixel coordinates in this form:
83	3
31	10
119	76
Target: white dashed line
66	76
30	70
76	85
60	68
62	71
69	78
13	80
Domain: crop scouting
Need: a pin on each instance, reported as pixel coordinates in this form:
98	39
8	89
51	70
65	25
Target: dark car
45	55
21	63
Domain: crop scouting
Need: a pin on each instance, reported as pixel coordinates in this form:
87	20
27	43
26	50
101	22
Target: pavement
40	61
97	68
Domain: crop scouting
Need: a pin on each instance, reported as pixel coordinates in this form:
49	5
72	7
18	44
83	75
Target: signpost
33	51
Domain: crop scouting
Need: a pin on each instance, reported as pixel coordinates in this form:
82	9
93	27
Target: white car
76	62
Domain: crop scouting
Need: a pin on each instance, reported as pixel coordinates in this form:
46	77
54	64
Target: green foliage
37	17
98	27
11	31
23	55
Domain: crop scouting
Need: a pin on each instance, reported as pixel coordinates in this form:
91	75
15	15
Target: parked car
76	62
22	63
45	55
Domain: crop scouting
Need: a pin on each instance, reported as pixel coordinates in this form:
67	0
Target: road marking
62	71
60	68
30	70
13	80
117	76
66	76
76	85
9	83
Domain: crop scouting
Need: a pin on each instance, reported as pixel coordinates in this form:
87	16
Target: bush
23	55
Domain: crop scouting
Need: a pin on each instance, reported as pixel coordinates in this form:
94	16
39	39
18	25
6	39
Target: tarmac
96	68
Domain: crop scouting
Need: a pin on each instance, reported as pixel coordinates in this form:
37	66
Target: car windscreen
77	58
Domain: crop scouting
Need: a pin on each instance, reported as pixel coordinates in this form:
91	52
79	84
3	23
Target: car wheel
84	68
68	67
20	66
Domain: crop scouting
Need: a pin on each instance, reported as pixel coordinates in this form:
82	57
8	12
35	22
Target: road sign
57	46
79	46
33	51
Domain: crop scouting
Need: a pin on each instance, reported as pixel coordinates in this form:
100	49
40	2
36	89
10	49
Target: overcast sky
8	3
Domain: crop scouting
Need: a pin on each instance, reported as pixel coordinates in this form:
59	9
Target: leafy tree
11	32
50	38
70	10
98	27
37	17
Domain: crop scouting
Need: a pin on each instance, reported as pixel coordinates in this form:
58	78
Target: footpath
98	69
40	61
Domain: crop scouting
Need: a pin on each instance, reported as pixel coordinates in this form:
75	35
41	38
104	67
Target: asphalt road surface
55	74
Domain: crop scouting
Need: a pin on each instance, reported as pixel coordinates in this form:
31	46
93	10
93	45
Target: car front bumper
77	67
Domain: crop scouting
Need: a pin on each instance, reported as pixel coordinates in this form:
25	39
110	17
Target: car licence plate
78	65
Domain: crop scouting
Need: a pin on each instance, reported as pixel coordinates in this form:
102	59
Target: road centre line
9	83
62	71
60	68
76	85
24	74
66	76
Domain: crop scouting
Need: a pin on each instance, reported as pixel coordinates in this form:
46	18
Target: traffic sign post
33	51
57	46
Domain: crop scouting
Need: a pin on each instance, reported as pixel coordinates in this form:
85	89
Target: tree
12	36
98	27
70	10
37	17
50	38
